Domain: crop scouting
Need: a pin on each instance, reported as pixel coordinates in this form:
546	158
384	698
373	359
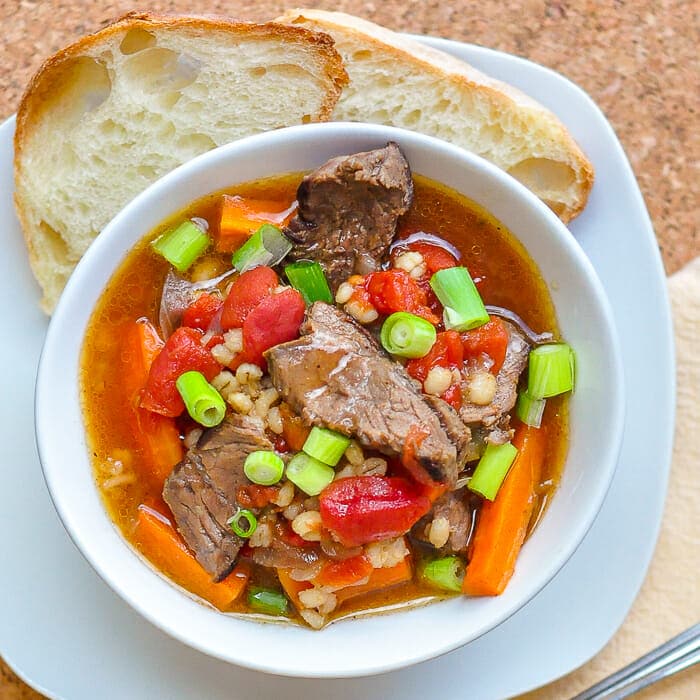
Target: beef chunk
456	430
337	376
201	491
348	211
491	415
456	508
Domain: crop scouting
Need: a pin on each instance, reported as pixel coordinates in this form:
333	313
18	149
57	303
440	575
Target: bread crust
34	100
446	67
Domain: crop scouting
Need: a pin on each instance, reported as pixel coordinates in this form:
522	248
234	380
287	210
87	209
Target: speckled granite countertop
637	58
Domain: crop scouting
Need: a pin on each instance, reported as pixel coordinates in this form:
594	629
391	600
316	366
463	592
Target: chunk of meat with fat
201	491
337	376
349	209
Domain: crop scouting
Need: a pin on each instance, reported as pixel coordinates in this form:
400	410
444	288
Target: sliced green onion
530	410
325	445
310	475
243	522
182	245
464	308
267	246
307	277
446	573
550	370
263	467
202	400
264	600
492	469
407	335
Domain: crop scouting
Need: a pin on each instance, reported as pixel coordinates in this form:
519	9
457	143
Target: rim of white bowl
77	527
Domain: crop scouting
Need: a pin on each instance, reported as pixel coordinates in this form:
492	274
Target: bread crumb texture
107	116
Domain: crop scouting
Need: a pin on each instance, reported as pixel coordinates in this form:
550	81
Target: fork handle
673	656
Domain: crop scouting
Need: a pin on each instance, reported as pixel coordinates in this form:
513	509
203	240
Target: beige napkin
669	600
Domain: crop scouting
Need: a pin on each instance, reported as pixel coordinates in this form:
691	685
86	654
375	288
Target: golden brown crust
445	67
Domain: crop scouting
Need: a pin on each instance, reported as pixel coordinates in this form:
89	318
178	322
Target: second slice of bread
398	81
107	116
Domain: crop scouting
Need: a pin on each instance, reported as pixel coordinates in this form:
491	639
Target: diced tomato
363	509
201	311
246	293
490	339
446	352
276	319
395	290
256	496
435	257
344	573
453	396
183	352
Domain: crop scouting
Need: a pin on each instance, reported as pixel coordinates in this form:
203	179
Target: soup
331	432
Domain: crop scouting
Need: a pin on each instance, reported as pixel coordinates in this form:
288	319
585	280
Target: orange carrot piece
161	543
161	442
378	579
240	217
158	435
291	587
502	524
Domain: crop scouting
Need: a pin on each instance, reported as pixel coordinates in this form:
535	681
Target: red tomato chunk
395	290
363	509
201	312
490	339
183	352
447	352
435	257
276	319
246	293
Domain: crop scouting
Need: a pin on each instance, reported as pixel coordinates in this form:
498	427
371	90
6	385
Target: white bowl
383	642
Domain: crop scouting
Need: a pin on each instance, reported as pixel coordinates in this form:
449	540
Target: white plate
66	633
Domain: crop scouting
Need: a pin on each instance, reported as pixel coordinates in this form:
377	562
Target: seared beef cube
201	491
337	376
348	211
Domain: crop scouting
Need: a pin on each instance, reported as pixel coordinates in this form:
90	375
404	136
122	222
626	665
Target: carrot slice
502	525
161	543
378	579
158	435
291	587
240	217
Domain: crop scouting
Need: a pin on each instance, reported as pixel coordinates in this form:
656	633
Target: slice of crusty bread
395	80
110	114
